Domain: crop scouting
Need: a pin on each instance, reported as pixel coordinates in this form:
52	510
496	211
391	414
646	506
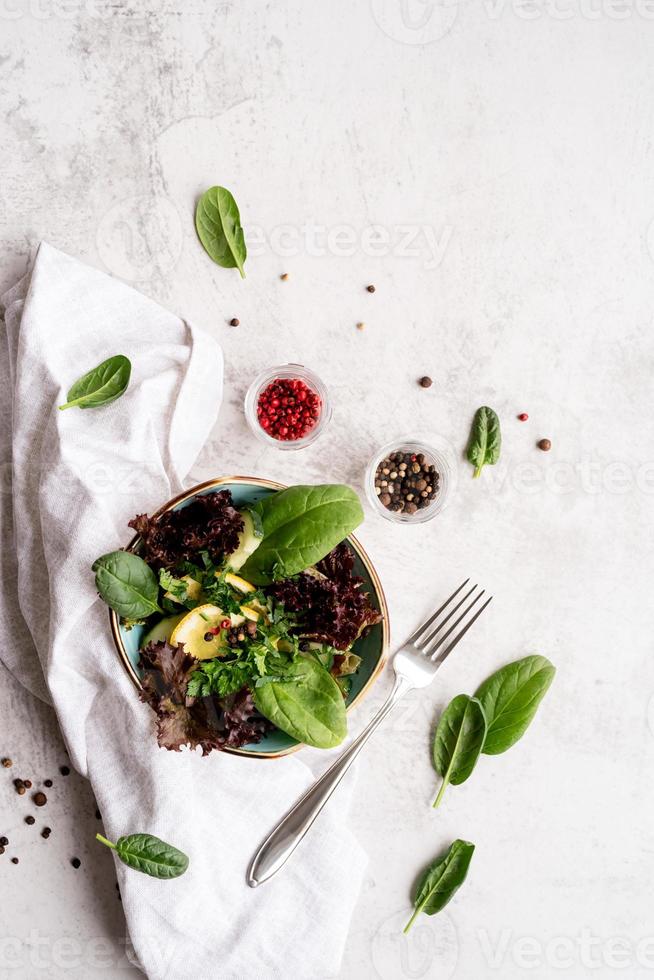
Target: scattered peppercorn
545	445
361	326
234	322
406	482
284	276
40	799
75	862
523	416
46	832
4	841
47	782
64	770
14	860
30	820
370	289
7	763
20	786
288	409
426	382
27	783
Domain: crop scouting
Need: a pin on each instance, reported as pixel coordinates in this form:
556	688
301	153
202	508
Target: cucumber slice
249	540
162	630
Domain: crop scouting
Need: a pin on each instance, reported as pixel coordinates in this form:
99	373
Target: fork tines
429	637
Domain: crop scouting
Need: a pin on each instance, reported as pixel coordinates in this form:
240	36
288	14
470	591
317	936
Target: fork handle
282	841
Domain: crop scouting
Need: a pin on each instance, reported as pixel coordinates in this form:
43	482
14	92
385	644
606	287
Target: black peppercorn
370	289
47	782
405	482
425	382
64	770
234	322
75	862
40	799
4	841
29	820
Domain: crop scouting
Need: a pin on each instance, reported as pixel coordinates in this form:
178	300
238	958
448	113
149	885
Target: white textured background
489	167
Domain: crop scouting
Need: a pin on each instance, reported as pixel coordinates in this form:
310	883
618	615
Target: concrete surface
489	168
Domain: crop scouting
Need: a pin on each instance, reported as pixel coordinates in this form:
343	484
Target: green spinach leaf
149	854
307	704
218	225
458	741
127	584
100	386
510	698
300	526
441	880
485	439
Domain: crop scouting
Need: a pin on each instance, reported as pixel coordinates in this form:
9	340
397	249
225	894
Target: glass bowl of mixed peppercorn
288	406
408	481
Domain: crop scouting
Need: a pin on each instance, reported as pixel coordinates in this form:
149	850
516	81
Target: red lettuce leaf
205	722
209	523
333	608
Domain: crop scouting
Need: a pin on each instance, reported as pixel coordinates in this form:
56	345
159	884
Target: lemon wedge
250	613
198	624
238	583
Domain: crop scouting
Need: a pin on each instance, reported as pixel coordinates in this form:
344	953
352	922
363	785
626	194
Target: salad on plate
249	615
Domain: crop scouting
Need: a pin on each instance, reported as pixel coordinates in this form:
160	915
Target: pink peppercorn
288	409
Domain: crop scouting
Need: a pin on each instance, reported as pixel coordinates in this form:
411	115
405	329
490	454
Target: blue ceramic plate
372	648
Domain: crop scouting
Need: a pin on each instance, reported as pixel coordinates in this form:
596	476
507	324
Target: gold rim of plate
361	554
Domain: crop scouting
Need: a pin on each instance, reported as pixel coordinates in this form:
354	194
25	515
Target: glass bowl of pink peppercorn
288	406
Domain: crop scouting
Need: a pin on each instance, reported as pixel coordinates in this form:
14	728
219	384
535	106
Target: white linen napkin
71	481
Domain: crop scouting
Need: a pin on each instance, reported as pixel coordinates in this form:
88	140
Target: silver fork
415	665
